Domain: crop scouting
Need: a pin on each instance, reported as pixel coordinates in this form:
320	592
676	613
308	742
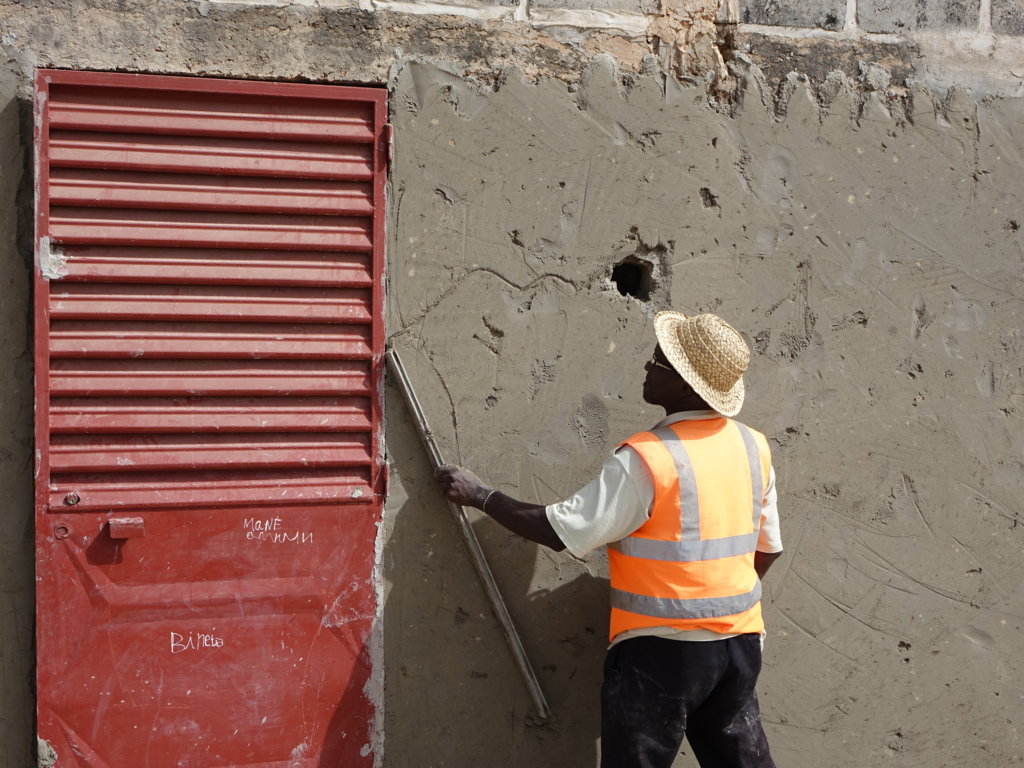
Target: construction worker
688	513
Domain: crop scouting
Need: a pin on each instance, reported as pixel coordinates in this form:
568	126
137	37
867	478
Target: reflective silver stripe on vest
691	548
686	551
678	608
689	509
754	457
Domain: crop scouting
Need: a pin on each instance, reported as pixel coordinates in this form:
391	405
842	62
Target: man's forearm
520	517
528	520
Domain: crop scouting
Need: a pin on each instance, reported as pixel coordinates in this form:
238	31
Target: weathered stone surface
823	14
1008	17
899	16
504	3
626	6
816	58
336	44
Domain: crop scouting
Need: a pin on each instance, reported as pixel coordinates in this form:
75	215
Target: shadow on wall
453	695
17	704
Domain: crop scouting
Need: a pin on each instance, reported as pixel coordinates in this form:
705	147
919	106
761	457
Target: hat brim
726	402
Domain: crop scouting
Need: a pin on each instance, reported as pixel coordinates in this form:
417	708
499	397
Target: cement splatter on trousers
658	691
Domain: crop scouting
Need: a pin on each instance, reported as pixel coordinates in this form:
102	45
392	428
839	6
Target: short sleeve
769	538
607	509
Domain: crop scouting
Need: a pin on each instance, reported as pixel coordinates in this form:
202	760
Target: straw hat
709	354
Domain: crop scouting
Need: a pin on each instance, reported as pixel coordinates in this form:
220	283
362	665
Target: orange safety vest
691	565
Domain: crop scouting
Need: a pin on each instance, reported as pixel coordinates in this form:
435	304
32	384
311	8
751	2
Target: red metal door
209	337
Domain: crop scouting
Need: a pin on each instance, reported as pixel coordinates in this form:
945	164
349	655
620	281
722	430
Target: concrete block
899	16
439	4
1008	17
485	3
620	6
823	14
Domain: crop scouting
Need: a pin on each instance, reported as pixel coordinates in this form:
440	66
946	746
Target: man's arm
763	561
527	520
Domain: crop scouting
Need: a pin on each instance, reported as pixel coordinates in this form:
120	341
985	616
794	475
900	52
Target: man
687	511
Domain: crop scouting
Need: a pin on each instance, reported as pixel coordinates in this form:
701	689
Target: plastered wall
872	252
864	233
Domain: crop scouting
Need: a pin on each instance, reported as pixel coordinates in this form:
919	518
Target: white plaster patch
630	24
426	9
374	688
53	262
825	34
47	754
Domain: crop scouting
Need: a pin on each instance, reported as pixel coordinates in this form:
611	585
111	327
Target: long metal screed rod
472	543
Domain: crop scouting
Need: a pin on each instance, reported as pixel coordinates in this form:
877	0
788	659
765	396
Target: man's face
662	383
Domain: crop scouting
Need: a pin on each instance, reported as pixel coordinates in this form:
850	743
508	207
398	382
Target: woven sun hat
709	354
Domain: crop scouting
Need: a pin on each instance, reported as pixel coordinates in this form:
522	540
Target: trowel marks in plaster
590	421
866	248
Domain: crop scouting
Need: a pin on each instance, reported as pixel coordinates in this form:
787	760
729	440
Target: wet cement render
872	251
870	246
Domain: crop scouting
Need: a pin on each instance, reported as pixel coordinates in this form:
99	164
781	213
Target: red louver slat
205	489
186	266
208	229
198	114
187	154
77	187
86	339
99	415
133	453
181	378
82	301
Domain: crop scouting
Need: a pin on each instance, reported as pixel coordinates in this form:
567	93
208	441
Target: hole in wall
632	276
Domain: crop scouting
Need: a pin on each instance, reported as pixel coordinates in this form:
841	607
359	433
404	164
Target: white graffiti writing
262	524
269	529
193	641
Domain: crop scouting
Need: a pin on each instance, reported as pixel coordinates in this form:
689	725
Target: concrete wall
864	230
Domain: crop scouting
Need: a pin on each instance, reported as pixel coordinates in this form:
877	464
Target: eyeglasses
658	364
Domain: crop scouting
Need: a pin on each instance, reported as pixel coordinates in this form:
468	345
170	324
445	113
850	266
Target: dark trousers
657	691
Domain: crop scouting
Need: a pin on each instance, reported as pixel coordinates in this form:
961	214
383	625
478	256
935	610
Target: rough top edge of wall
988	65
491	50
869	98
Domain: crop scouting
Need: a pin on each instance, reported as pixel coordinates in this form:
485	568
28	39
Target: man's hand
528	520
461	486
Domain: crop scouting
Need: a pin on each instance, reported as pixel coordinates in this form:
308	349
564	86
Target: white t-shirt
618	501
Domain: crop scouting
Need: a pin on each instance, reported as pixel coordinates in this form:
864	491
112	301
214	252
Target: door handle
126	527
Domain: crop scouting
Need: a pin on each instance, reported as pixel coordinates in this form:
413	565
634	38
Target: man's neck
680	416
695	403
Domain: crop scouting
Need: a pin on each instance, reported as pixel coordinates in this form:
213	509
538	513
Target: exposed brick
897	16
1008	17
824	14
627	6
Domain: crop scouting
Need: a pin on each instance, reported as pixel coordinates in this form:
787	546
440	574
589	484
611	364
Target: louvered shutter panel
208	293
